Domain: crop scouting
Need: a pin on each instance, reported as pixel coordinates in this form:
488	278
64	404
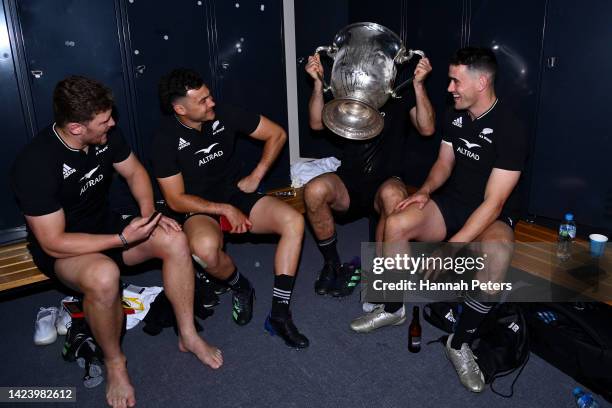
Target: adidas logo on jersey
67	171
182	143
458	122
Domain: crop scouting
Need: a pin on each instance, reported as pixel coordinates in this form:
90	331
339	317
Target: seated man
61	181
482	154
369	177
198	172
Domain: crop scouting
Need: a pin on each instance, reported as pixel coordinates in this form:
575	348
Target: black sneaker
242	306
327	279
347	279
78	333
287	331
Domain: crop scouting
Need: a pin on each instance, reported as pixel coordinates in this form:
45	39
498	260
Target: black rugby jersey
206	158
496	139
383	155
49	175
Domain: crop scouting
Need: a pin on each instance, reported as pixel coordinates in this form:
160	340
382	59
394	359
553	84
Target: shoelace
242	300
467	356
46	311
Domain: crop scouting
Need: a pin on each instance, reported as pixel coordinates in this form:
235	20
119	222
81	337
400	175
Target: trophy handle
402	57
331	52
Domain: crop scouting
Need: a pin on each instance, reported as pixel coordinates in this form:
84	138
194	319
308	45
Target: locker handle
551	62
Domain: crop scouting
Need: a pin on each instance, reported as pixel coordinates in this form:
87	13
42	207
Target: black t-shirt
205	158
382	156
496	139
48	175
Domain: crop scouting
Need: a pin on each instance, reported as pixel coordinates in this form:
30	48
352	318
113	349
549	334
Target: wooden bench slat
12	247
26	277
6	262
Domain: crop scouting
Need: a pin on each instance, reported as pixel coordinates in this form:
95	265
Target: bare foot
209	355
119	390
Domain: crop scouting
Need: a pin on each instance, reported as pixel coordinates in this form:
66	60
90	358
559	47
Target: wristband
123	240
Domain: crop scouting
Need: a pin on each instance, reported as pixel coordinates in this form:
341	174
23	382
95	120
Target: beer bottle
414	332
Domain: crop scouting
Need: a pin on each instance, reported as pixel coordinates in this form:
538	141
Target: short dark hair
79	99
475	58
175	85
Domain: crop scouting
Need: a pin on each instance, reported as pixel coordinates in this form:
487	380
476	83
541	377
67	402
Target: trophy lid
352	119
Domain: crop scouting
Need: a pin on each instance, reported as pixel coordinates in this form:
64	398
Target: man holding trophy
370	177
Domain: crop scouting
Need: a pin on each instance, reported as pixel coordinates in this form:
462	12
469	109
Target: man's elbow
427	130
316	125
282	137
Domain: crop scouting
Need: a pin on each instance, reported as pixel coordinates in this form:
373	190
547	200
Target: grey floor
340	369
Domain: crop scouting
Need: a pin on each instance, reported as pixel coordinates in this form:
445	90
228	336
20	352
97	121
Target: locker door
250	72
14	133
571	169
163	36
67	37
514	31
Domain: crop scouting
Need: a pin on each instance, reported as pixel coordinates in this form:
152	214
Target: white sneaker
63	318
44	329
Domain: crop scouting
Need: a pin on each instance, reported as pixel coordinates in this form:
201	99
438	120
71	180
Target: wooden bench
17	268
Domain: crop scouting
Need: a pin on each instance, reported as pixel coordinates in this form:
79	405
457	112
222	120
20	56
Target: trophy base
352	119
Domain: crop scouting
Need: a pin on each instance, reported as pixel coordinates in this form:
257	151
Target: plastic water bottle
584	400
567	233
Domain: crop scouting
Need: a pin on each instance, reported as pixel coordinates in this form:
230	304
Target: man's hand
168	225
249	184
421	71
240	222
314	67
139	229
420	198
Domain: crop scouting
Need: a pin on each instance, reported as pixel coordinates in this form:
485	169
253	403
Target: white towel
303	172
140	302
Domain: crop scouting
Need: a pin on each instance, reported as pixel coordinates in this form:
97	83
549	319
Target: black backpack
501	344
576	338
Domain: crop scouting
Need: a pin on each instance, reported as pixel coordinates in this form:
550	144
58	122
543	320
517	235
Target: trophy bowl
365	57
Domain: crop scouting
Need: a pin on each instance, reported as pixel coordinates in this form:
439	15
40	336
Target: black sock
237	282
281	297
473	313
392	307
328	249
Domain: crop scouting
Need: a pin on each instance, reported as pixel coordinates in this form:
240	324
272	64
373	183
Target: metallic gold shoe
378	318
466	366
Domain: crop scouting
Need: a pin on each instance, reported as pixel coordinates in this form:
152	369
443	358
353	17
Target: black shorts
239	199
112	223
456	214
362	192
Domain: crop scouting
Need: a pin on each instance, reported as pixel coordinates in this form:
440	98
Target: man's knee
389	195
207	249
171	243
292	223
101	281
316	192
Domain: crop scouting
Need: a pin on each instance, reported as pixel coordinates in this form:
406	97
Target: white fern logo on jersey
458	122
67	170
215	125
484	133
183	143
206	150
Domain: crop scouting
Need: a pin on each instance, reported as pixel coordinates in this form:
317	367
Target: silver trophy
362	78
